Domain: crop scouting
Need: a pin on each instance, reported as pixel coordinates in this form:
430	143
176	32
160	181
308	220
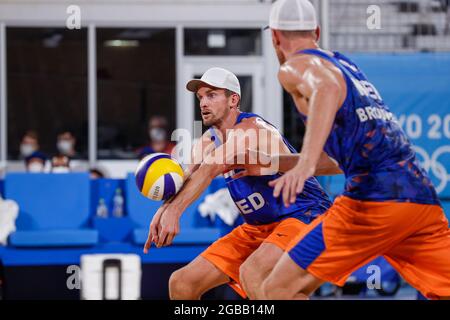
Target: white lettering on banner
447	126
435	121
415	126
256	200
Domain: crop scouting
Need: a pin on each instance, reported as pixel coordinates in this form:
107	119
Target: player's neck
300	45
228	122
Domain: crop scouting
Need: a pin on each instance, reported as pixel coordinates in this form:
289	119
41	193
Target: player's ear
235	100
317	32
275	37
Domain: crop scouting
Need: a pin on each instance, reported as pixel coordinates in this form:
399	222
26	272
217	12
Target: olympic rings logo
433	165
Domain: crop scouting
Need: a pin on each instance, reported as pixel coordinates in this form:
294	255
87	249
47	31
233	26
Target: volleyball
159	176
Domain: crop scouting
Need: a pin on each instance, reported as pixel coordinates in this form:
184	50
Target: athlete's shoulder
254	121
301	61
297	66
294	67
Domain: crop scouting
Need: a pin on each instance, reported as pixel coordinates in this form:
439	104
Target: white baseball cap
216	77
292	15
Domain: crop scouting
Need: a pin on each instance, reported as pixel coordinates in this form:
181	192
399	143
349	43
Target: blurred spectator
29	143
158	131
96	173
66	144
61	164
35	162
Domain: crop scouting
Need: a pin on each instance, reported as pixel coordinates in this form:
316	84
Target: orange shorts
414	239
230	251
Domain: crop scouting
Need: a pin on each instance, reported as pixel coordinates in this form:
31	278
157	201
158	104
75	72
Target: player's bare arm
318	89
260	159
199	151
326	166
257	161
214	164
166	225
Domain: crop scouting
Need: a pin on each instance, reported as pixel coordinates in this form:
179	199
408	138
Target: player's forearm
186	175
327	166
324	166
193	187
322	111
286	161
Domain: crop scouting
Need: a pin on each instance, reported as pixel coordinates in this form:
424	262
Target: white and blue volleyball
159	176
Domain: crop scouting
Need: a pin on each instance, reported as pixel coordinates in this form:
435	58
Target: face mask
60	169
157	134
36	167
64	146
26	149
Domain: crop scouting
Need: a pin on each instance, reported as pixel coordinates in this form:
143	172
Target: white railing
413	25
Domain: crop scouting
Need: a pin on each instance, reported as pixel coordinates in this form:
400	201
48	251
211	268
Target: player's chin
208	123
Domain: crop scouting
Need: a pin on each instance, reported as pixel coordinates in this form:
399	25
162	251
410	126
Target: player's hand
169	227
154	228
291	183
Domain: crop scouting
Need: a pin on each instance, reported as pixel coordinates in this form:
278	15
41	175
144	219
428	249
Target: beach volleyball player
389	206
245	256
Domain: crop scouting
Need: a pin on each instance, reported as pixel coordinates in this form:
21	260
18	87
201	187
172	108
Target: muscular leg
257	267
194	279
288	281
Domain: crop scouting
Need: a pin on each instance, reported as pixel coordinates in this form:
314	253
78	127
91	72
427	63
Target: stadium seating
54	210
140	210
112	229
406	26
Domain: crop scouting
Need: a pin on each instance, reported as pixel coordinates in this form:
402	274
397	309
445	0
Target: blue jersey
369	145
254	197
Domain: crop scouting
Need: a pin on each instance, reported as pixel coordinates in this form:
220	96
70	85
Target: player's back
369	145
254	197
